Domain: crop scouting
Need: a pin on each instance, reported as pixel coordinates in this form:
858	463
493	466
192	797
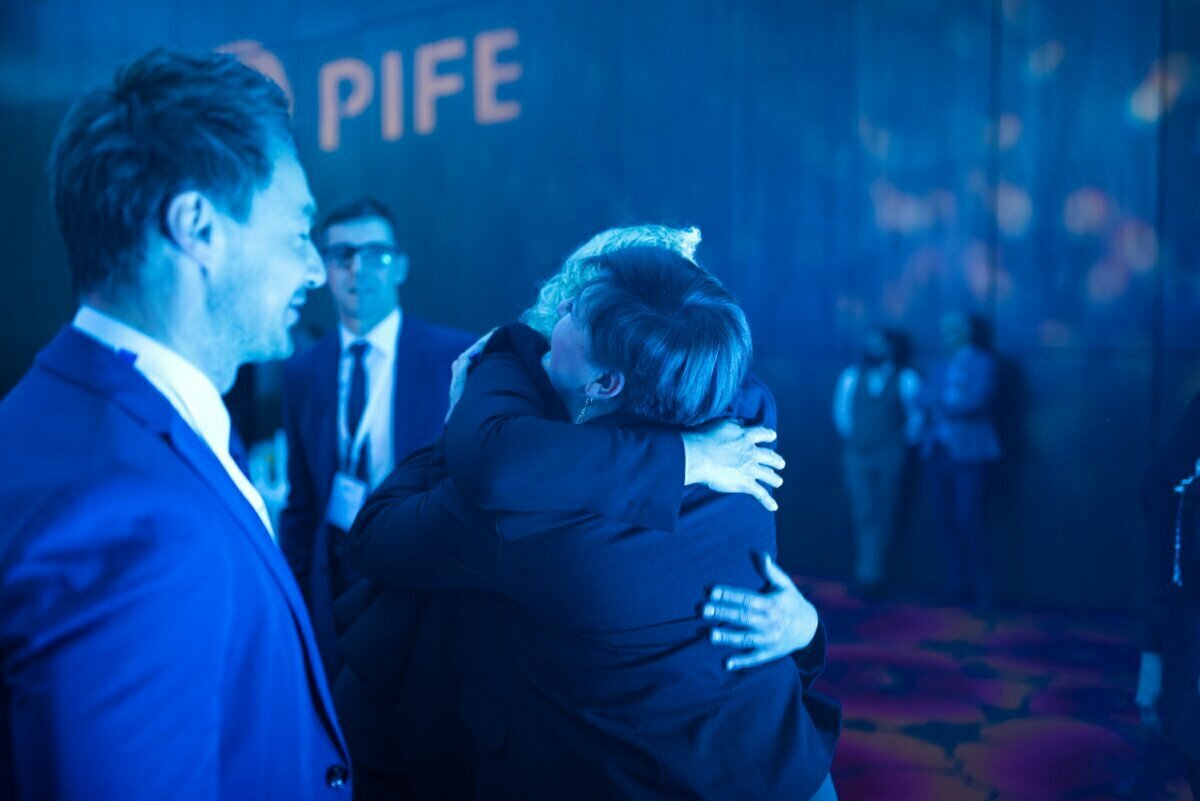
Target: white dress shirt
380	363
189	391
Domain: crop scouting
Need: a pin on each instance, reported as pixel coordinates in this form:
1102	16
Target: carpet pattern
943	705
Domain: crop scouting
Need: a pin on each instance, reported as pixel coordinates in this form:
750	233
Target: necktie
356	401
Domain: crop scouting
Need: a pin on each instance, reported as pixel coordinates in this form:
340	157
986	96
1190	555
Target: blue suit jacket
963	392
587	672
154	644
424	353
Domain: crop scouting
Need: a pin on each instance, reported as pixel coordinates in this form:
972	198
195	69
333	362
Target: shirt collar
382	337
188	389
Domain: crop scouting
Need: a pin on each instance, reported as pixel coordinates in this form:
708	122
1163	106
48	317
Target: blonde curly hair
575	275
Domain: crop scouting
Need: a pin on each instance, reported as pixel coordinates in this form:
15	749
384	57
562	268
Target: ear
400	269
607	386
191	223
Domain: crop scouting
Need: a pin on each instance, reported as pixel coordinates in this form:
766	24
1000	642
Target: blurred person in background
1168	691
356	403
960	446
876	410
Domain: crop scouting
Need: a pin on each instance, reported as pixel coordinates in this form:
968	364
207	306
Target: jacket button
336	776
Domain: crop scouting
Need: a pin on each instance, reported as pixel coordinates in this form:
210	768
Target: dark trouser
957	490
874	481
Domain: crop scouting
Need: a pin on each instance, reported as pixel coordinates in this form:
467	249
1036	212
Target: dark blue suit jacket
1173	622
424	353
587	672
153	641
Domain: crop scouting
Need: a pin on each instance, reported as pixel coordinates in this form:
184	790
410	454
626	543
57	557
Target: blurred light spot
1014	209
1008	131
1046	58
876	141
1012	9
899	211
1107	281
906	213
1157	93
1055	334
1086	210
980	270
1137	245
254	55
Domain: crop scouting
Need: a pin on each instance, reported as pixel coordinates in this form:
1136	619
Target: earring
579	418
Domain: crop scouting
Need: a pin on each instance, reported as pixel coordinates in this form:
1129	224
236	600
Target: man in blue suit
356	403
153	642
960	449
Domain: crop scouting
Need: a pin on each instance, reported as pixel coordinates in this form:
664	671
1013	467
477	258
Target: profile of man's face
364	269
272	265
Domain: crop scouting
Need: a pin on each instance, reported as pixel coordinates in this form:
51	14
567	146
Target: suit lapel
208	468
404	412
79	359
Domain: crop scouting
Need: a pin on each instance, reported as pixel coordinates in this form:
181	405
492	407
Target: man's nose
314	268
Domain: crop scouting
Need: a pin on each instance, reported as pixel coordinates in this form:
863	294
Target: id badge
346	498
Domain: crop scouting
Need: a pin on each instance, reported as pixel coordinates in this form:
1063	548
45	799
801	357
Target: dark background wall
1033	161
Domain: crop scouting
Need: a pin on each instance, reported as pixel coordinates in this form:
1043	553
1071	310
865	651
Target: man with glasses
356	403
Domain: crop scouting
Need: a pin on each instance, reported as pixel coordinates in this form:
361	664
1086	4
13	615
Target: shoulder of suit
303	361
440	336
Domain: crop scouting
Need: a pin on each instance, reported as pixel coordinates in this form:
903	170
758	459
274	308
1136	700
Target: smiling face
364	269
272	263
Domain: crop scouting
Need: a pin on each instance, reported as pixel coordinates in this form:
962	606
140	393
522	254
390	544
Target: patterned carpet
941	705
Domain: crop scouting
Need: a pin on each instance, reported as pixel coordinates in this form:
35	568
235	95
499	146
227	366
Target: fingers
767	476
769	458
472	353
734	638
759	492
737	615
760	434
756	657
480	343
776	574
724	595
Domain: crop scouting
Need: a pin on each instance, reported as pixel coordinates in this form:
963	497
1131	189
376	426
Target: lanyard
351	450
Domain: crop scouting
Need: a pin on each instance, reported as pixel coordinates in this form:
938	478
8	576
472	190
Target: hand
458	370
725	457
771	624
1149	690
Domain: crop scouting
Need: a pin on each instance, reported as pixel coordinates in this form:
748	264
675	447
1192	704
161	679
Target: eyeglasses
372	255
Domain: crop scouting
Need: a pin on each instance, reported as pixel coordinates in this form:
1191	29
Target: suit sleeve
299	519
810	660
504	454
115	626
1175	461
415	531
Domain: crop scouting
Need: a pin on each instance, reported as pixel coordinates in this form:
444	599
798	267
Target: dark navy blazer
1173	623
153	641
587	672
424	353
